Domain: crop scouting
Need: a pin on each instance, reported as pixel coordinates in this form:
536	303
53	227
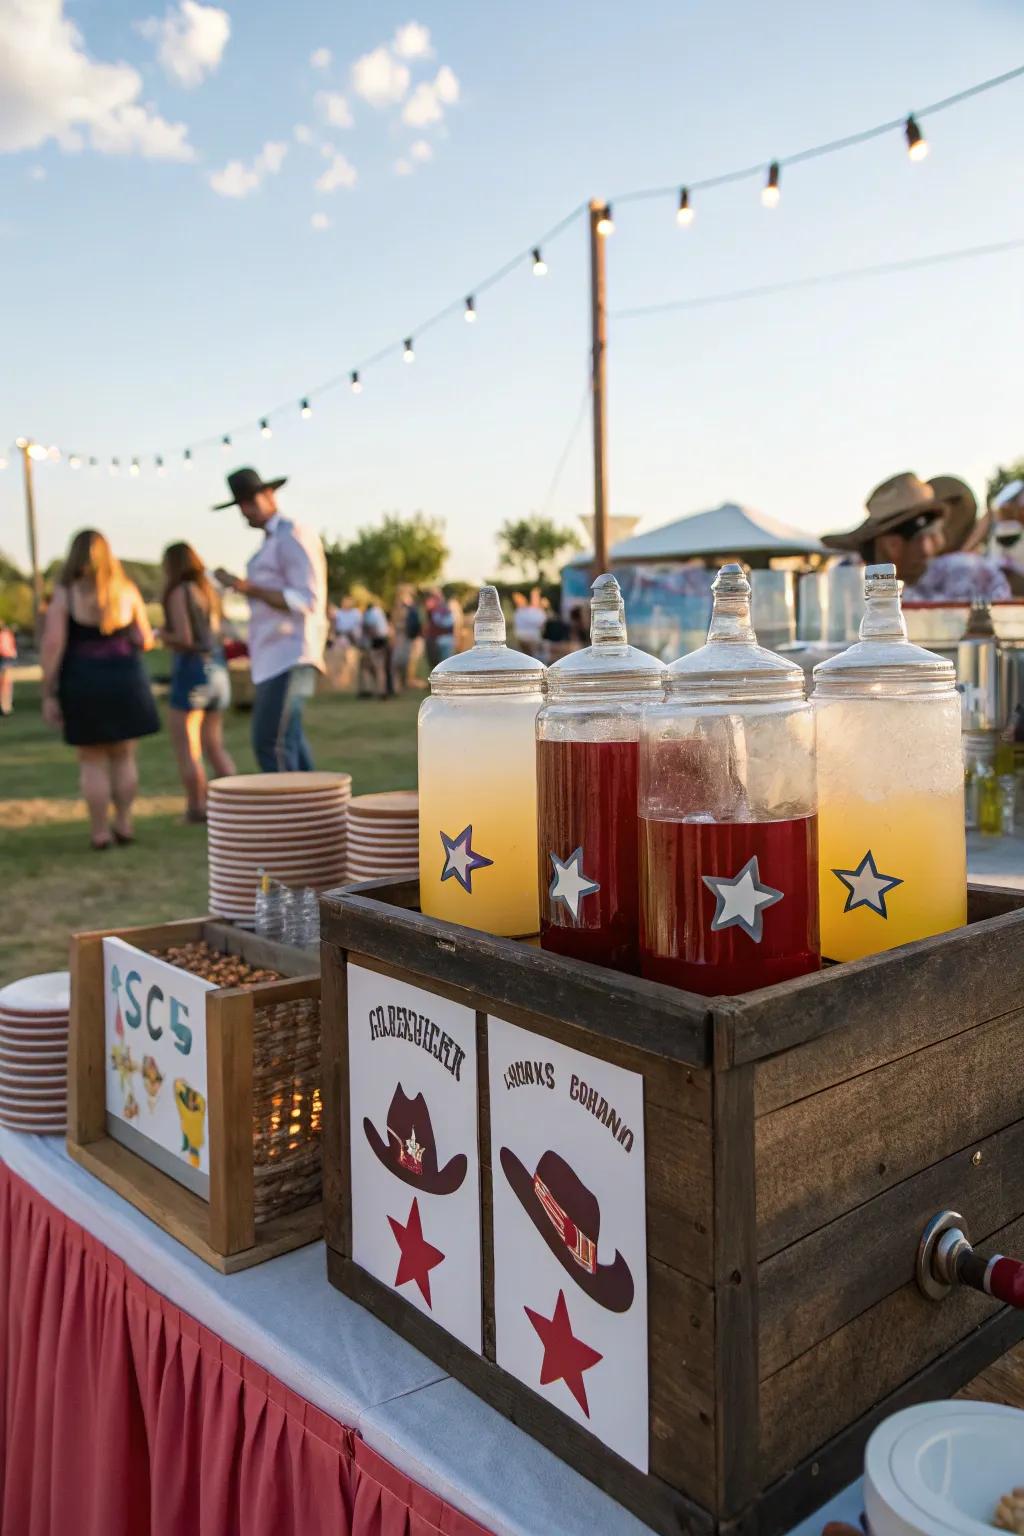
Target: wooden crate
797	1141
245	1220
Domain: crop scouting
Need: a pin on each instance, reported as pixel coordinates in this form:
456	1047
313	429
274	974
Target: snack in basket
1009	1514
192	1114
200	959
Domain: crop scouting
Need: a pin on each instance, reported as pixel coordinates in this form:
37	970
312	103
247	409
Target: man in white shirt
286	584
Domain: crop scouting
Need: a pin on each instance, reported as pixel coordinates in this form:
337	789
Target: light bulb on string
75	461
540	266
187	457
161	467
3	462
21	442
133	468
770	193
408	353
357	387
265	428
470	310
684	213
94	463
917	144
37	451
115	466
53	452
225	442
305	409
605	222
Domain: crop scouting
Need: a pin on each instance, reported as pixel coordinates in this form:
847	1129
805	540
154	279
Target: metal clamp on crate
945	1258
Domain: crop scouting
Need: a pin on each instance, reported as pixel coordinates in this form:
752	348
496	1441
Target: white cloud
403	167
319	221
334	109
339	173
447	86
238	179
380	79
427	103
412	41
321	58
50	88
302	134
421	150
37	173
328	150
190	40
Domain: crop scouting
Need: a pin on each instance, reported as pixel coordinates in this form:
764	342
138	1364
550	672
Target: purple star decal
460	858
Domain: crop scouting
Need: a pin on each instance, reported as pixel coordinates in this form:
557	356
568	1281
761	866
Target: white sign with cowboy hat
570	1234
414	1147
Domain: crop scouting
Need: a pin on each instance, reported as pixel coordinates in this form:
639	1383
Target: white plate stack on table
383	836
292	825
34	1053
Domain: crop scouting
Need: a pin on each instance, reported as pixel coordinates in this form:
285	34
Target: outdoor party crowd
97	691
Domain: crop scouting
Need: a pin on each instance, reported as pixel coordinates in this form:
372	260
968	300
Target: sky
207	211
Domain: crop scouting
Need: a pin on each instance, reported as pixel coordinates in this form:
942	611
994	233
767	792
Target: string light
540	266
36	451
133	468
770	191
684	214
265	427
605	222
408	355
21	442
357	387
3	462
917	144
75	461
161	467
53	452
470	312
225	442
187	456
115	466
305	410
94	463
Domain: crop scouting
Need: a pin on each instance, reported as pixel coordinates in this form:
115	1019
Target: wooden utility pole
599	348
25	445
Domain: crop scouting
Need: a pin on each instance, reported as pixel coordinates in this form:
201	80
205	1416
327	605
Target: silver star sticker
739	902
866	887
570	884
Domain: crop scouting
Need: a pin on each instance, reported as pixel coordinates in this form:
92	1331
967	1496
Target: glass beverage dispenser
727	797
890	786
478	783
587	745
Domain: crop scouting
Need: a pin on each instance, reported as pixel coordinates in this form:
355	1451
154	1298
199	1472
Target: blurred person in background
375	659
94	684
579	626
286	584
407	649
346	624
528	620
439	629
8	656
200	685
556	636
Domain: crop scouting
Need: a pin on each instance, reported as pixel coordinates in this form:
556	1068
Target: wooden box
797	1141
263	1100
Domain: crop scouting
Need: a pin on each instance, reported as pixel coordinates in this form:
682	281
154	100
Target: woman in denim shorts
200	685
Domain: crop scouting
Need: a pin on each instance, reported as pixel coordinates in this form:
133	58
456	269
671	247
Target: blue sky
145	310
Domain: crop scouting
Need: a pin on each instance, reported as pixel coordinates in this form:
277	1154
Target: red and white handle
945	1258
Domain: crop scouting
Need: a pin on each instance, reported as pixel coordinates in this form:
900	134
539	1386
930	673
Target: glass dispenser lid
489	666
883	654
609	664
732	667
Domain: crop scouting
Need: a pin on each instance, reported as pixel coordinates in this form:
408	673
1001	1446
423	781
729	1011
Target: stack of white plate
290	824
383	835
34	1053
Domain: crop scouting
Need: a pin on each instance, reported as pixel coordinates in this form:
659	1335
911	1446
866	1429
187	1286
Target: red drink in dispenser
587	827
728	803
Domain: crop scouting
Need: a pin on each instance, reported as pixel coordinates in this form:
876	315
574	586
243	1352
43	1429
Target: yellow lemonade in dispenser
892	855
478	784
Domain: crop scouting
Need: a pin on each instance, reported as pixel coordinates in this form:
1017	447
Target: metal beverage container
979	672
587	745
727	797
890	786
478	783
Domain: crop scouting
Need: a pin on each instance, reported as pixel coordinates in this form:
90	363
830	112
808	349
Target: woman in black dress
94	683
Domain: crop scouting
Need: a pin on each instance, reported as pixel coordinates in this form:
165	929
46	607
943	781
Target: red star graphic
418	1256
565	1356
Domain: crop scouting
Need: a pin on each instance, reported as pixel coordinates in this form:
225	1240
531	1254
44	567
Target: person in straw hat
920	527
286	584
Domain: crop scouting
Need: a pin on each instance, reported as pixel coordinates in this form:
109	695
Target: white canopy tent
726	530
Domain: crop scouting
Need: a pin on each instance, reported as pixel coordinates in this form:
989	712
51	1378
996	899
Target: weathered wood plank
824	1281
266	953
825	1154
813	1398
980	965
616	1007
229	1034
336	1152
87	1042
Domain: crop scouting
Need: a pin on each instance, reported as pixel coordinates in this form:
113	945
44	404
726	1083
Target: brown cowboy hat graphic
409	1151
568	1217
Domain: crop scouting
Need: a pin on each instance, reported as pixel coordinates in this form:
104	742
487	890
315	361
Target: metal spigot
946	1259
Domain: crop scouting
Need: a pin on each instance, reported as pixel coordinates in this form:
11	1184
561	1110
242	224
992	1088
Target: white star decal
739	902
866	887
570	884
460	860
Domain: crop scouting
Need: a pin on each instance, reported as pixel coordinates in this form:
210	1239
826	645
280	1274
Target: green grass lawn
53	883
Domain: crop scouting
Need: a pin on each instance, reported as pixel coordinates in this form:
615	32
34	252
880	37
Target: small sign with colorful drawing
156	1062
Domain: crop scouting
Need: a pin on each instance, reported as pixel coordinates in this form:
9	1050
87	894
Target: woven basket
286	1107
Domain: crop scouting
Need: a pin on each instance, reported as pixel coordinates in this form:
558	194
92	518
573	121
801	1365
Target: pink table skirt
122	1416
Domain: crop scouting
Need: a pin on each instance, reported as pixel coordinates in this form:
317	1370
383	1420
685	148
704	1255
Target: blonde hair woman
94	684
200	684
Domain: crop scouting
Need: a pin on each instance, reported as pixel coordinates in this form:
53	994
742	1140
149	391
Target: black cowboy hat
409	1151
244	484
568	1217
